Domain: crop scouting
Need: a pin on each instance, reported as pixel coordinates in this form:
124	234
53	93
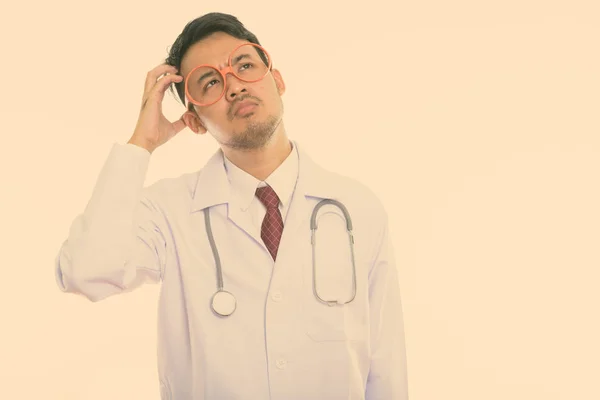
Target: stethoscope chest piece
223	303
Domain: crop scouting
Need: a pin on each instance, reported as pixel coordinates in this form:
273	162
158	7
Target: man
241	226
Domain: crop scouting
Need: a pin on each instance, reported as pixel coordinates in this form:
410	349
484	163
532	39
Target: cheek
264	89
269	94
217	113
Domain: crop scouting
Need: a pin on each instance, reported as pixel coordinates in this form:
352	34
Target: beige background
476	122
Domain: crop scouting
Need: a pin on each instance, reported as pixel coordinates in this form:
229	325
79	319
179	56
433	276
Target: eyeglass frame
226	71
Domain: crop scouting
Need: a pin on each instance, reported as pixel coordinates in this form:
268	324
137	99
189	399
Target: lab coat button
281	363
277	296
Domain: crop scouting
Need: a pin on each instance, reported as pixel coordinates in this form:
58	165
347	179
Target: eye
245	66
209	84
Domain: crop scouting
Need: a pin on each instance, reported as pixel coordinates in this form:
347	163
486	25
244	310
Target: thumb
179	125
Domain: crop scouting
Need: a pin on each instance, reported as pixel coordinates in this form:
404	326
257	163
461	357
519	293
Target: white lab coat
281	343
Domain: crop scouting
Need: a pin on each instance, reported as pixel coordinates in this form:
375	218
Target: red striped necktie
272	225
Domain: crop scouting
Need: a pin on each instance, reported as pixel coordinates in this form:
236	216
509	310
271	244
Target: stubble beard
255	136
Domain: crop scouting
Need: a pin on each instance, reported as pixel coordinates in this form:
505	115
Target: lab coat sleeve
387	378
118	243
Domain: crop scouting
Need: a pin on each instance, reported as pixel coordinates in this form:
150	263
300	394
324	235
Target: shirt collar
282	180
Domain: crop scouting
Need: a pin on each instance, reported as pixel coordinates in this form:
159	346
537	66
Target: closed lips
243	105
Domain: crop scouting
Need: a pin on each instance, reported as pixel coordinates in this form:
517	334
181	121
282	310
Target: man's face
244	131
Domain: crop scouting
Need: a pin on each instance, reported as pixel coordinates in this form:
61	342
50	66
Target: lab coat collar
282	180
213	187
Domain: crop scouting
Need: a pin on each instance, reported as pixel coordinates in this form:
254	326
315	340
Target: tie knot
267	196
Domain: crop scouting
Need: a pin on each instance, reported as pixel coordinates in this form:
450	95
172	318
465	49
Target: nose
234	87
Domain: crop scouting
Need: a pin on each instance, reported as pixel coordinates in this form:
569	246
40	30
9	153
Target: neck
260	163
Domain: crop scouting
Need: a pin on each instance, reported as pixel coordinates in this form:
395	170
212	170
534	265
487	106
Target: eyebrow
240	57
204	76
234	61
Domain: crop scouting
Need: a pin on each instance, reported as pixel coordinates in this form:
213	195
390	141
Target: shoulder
173	191
370	223
356	195
328	183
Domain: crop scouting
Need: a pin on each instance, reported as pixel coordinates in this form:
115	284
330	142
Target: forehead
214	50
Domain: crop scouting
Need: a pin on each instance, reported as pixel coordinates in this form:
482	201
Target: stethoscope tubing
313	228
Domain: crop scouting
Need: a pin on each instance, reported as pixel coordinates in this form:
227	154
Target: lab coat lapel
213	188
244	222
313	182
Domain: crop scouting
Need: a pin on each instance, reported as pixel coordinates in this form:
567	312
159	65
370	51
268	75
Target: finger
178	126
158	91
156	73
152	77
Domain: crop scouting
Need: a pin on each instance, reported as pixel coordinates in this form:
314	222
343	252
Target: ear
192	120
278	81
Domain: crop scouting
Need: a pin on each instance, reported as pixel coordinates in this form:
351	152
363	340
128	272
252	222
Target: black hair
199	29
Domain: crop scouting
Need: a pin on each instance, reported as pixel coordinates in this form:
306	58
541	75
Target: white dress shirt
244	185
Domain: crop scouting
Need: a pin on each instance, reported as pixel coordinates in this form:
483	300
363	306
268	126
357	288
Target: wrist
141	143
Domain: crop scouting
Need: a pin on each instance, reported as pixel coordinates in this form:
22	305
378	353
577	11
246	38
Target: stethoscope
223	303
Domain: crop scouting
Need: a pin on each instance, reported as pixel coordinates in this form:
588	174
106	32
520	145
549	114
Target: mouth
245	108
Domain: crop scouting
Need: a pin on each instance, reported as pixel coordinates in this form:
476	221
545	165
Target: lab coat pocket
329	276
330	325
